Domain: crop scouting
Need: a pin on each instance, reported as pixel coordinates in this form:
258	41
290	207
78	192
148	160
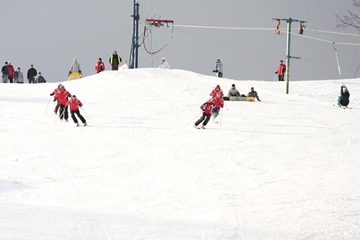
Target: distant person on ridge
115	60
5	73
343	99
281	71
100	66
19	76
40	78
218	68
31	74
75	70
206	115
164	64
11	71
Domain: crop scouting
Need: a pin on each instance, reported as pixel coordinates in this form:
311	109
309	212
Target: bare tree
351	19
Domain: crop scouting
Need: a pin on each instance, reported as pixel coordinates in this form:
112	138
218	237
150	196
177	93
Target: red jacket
207	107
281	69
215	92
62	96
218	102
11	70
99	67
56	90
74	104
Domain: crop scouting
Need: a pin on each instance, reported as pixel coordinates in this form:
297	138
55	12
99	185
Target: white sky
284	168
50	34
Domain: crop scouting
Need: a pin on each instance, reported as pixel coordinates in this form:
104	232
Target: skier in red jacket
214	92
206	108
74	104
62	96
54	93
100	66
281	70
219	103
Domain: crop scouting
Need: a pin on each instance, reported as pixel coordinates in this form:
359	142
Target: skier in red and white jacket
214	92
62	96
100	66
281	70
74	104
54	93
219	103
207	109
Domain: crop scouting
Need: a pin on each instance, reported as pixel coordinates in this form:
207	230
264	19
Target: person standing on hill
218	69
5	73
74	104
206	115
115	61
164	64
31	74
11	71
75	70
281	70
100	66
19	77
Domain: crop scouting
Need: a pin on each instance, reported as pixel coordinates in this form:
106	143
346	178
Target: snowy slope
284	168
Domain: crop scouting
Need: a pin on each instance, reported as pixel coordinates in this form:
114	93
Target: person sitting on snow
343	99
233	93
253	94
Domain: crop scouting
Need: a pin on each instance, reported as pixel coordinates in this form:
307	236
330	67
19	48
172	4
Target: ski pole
194	118
86	114
47	105
274	76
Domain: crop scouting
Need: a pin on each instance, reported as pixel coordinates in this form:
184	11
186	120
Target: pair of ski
343	107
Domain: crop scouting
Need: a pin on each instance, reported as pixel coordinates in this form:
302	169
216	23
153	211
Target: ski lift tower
288	56
134	55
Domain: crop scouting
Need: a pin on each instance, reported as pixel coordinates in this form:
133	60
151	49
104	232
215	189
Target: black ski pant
79	115
205	117
281	77
57	106
63	112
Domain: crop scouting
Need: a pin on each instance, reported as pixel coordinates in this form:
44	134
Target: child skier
218	103
343	99
74	104
206	108
54	93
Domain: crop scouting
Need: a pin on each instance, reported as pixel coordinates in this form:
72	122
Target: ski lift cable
262	29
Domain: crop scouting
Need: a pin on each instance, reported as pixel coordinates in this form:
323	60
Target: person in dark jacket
253	94
31	74
344	98
5	73
115	61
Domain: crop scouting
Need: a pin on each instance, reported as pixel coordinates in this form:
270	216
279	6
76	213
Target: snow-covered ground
284	168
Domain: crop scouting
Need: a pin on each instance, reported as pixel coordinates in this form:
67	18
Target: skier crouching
343	99
206	108
74	104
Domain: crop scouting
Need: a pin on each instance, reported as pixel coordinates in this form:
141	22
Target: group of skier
64	100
